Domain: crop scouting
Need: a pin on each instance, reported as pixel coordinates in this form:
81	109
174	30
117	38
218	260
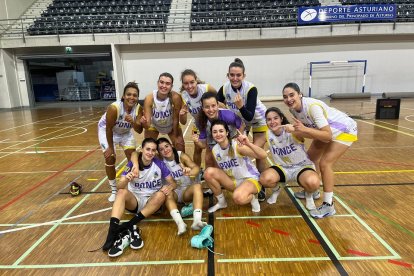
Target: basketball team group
160	173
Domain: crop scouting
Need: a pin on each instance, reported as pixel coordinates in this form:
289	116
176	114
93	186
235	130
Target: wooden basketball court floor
44	230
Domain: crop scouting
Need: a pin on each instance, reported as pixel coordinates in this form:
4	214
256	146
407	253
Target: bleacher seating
237	14
102	16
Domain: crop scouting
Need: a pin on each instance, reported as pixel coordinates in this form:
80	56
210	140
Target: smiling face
164	85
166	150
292	98
130	97
149	150
210	108
190	84
236	76
273	121
219	133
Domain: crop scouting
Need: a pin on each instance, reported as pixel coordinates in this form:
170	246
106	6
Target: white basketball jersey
287	150
338	121
177	173
229	94
149	180
194	104
121	126
162	114
237	167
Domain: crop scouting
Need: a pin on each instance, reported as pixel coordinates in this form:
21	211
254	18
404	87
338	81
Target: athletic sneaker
301	194
136	241
120	244
206	231
201	242
325	210
112	197
187	210
262	194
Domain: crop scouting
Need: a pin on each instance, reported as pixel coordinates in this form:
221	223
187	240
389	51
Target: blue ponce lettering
229	164
148	184
285	150
161	114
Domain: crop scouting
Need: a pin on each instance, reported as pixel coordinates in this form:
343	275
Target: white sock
112	184
310	204
197	223
182	227
221	203
255	204
328	197
273	198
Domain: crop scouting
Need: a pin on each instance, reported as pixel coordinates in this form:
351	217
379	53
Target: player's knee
239	198
209	174
266	179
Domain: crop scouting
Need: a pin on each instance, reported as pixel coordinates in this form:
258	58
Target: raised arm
189	167
247	148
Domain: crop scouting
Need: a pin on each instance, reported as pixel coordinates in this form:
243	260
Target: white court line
32	123
45	140
25	133
399	126
66	171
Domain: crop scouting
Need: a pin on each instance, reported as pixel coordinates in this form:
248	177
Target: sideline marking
101	264
387	128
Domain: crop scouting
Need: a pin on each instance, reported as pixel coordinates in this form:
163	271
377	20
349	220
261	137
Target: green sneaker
206	231
187	210
200	242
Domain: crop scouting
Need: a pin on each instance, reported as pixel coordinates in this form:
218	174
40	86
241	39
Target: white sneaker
112	197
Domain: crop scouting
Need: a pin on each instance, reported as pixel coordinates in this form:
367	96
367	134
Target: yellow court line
399	131
367	172
92	179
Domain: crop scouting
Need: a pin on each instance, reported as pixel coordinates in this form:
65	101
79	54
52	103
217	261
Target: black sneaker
120	244
136	241
261	196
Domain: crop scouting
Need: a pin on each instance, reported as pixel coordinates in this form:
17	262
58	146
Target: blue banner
321	14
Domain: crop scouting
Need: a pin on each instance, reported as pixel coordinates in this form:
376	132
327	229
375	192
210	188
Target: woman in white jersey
191	91
115	126
142	195
332	131
184	171
291	162
242	98
161	112
236	172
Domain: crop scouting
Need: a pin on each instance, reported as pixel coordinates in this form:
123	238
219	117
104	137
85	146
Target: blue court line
40	240
109	264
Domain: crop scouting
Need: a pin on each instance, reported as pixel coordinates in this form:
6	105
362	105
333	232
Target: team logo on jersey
188	103
155	175
218	157
272	142
120	117
228	97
